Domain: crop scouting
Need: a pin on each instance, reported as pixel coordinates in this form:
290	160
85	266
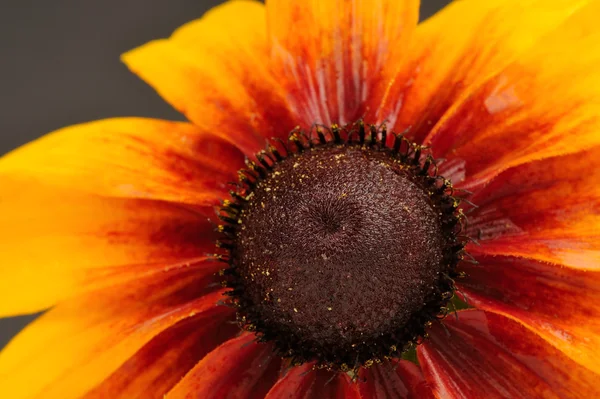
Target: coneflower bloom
358	207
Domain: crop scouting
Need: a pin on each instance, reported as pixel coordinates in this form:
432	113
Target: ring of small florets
424	170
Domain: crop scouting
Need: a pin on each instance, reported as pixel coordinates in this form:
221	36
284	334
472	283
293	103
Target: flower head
413	212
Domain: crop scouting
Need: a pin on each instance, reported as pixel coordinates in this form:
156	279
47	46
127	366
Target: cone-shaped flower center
342	253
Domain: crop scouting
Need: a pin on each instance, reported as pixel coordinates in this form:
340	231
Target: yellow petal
215	71
457	49
131	158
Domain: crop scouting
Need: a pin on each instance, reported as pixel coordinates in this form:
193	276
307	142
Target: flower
110	225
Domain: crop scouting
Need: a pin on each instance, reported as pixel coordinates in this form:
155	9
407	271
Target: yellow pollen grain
295	310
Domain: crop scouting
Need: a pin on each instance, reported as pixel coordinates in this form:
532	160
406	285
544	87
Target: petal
402	379
87	242
560	304
306	383
545	103
485	355
240	368
215	71
540	251
458	49
77	344
329	54
547	210
156	368
106	184
129	157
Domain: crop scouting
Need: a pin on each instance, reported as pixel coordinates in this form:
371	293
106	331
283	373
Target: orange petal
485	355
304	382
329	54
60	242
79	343
560	304
240	368
215	71
547	210
69	220
545	103
402	380
129	157
455	51
156	368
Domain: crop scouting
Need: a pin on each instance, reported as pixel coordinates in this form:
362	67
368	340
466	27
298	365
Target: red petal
77	344
485	355
329	54
240	368
561	304
306	383
401	379
165	360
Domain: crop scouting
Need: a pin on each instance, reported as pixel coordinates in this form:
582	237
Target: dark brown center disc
337	247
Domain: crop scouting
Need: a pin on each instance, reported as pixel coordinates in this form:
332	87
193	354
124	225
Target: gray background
59	65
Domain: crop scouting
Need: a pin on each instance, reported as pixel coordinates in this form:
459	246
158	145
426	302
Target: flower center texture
342	245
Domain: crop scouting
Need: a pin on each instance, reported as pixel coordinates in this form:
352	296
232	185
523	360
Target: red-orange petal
77	344
547	210
462	46
156	368
398	379
545	103
561	304
239	368
485	355
306	383
539	251
215	70
329	54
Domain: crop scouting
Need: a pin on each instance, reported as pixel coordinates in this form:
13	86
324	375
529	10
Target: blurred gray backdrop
59	65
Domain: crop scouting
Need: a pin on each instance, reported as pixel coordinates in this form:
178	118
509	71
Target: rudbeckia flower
358	207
